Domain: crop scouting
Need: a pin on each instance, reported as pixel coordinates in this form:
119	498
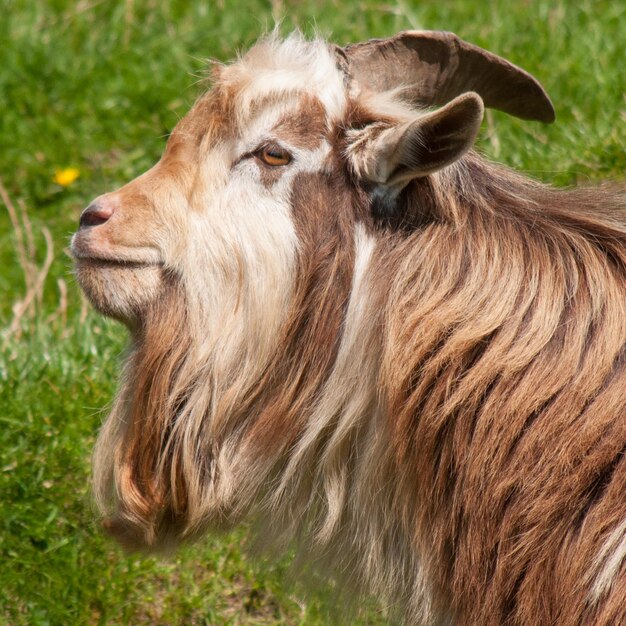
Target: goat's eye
273	155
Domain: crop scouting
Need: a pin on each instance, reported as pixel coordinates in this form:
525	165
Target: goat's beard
160	475
174	457
135	481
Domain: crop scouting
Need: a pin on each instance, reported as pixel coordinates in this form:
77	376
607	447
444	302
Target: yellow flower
66	176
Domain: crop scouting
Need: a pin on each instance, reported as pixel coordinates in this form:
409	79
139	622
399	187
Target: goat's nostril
94	215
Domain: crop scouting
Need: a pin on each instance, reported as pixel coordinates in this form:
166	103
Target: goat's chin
120	291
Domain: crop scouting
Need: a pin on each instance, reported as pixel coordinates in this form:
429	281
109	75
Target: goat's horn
437	66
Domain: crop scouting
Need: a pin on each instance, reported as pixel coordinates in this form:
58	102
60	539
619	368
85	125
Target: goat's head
236	248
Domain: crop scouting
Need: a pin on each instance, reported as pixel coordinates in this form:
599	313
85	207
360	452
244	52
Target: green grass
97	86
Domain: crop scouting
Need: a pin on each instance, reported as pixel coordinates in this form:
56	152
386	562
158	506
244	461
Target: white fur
608	563
281	67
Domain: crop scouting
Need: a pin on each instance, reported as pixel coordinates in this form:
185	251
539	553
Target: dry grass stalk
34	276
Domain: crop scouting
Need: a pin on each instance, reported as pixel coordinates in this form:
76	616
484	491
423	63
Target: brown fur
307	126
504	370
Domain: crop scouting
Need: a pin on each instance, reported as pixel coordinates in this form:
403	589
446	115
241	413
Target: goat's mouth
94	250
106	262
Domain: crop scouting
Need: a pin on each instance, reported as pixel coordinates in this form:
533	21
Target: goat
355	333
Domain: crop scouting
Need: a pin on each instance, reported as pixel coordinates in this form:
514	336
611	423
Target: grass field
96	86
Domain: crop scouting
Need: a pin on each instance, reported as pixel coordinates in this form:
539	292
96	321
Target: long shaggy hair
427	402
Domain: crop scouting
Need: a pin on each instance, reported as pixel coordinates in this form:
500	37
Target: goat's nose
95	214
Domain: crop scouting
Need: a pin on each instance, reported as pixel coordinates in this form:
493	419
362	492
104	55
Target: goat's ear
395	155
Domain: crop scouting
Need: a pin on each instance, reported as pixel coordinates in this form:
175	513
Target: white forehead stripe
273	66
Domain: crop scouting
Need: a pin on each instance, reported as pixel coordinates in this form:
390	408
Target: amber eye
273	155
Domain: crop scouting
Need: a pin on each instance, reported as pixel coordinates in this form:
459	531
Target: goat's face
217	210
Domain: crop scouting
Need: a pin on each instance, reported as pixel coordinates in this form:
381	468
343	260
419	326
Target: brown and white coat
369	342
